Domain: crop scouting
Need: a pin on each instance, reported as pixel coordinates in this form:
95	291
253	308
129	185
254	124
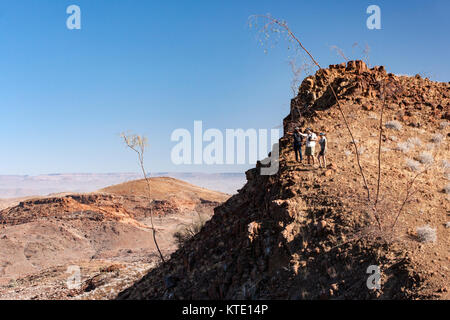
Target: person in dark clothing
323	150
298	142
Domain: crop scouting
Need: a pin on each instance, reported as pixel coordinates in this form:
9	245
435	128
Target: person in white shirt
311	139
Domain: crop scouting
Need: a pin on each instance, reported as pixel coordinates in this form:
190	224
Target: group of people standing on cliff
310	146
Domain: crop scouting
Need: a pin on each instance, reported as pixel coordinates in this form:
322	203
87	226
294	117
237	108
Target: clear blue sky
154	66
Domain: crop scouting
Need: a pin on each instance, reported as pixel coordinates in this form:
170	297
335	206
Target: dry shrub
413	165
426	234
445	165
361	150
188	232
437	138
447	189
415	141
426	158
393	124
139	145
404	147
443	125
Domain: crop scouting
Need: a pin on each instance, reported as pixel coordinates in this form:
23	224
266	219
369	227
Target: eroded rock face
93	230
355	83
294	235
104	205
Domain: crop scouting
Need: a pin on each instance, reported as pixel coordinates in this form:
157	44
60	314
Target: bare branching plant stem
379	145
138	144
410	191
364	51
297	72
380	141
339	51
284	26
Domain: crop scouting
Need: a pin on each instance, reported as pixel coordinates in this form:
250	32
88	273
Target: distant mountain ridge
16	186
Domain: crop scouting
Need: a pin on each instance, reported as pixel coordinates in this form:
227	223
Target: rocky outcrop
355	83
297	234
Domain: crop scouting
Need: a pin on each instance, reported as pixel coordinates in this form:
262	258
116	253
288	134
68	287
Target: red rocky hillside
308	233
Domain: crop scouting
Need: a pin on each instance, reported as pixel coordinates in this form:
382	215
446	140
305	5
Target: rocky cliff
307	233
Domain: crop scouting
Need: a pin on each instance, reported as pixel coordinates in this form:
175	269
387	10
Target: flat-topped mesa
355	83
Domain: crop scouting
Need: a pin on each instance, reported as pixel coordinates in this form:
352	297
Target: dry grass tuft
188	232
437	138
413	165
361	150
447	189
415	141
394	124
404	147
426	158
444	125
426	234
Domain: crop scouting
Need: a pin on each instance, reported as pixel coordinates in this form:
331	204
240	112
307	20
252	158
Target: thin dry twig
339	51
138	144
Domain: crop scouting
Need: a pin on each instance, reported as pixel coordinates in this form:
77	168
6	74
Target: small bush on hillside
437	138
426	234
413	165
415	141
447	189
361	150
444	124
445	165
393	138
347	152
447	225
394	124
188	232
426	158
404	147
